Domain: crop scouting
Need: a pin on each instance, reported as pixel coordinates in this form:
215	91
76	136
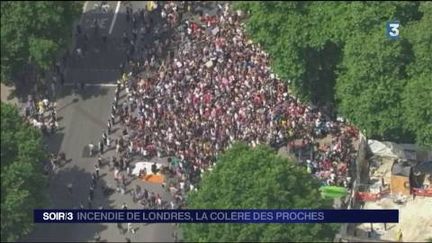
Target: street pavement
83	117
101	61
5	92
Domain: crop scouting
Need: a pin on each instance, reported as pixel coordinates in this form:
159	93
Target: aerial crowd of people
193	87
218	88
190	88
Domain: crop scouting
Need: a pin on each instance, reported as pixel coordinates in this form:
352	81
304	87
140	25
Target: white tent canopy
382	149
399	151
144	165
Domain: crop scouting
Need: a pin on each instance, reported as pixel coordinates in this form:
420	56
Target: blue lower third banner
215	216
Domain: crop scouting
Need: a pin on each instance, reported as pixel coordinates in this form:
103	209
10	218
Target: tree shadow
101	59
60	199
12	94
19	92
54	141
75	100
91	92
101	62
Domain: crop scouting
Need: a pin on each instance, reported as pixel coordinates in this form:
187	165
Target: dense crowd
190	88
42	114
193	87
218	88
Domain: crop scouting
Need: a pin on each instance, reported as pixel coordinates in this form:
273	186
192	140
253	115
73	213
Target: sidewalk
6	91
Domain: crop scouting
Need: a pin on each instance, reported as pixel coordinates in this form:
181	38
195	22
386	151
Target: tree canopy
337	54
34	33
256	179
22	181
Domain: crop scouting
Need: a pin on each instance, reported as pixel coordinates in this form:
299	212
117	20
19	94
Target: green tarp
333	191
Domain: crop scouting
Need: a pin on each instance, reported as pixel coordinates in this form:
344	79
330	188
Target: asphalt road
83	117
101	61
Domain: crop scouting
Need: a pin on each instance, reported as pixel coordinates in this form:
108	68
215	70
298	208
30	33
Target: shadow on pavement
54	141
87	93
60	198
101	61
90	92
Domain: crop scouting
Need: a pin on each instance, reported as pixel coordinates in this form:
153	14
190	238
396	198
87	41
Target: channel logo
392	30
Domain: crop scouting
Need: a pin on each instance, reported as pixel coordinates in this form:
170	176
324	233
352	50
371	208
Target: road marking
92	85
83	12
85	6
115	17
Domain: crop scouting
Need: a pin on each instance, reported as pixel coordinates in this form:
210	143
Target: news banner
215	216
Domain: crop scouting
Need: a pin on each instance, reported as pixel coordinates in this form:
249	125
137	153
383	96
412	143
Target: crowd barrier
422	192
371	197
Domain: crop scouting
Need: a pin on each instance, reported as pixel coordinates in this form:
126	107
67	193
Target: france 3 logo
392	30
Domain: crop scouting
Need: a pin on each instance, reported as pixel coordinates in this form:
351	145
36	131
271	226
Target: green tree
370	82
34	33
256	179
305	39
417	96
417	100
22	181
43	52
336	53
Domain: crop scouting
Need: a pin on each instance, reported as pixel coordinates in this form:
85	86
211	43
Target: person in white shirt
91	148
118	148
130	228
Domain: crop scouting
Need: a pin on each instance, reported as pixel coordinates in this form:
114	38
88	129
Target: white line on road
85	6
115	17
83	12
